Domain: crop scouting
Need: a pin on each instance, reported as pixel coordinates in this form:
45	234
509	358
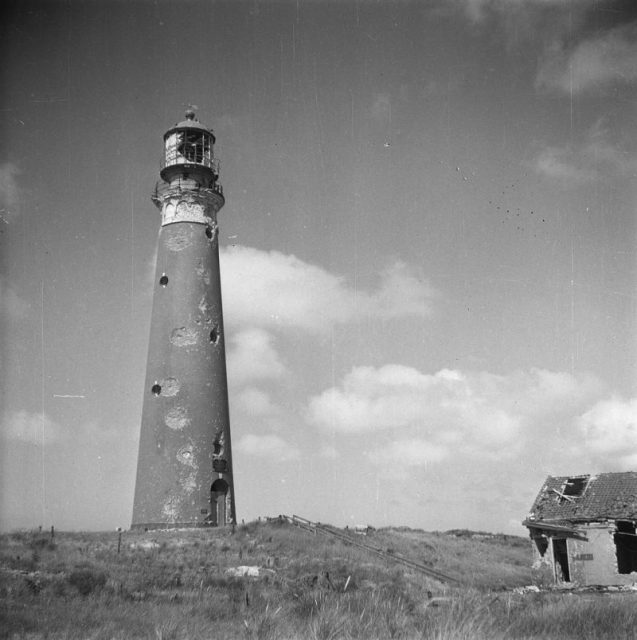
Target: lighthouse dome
190	122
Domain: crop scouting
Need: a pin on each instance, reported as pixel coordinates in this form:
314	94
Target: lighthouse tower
184	469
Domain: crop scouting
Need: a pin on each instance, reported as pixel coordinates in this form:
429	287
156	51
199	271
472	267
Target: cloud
476	413
329	452
381	107
9	190
477	11
596	156
593	63
274	290
411	452
11	304
609	433
31	428
255	402
253	357
563	164
266	446
610	159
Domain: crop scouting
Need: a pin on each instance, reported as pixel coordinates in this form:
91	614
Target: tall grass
173	586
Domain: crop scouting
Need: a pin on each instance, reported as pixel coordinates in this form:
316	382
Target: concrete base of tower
154	526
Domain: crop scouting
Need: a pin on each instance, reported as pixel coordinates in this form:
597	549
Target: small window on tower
156	389
163	281
214	335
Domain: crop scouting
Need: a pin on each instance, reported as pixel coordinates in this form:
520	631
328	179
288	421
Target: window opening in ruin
163	281
214	335
626	546
574	488
542	545
560	557
156	389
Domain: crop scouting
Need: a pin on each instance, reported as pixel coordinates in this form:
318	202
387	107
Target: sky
427	250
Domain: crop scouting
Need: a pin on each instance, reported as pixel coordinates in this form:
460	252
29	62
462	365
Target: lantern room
189	152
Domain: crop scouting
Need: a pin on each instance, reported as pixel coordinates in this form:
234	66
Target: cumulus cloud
596	156
266	446
583	45
11	304
274	290
381	107
256	402
410	452
609	432
9	190
252	356
563	164
450	410
31	428
330	452
515	12
593	63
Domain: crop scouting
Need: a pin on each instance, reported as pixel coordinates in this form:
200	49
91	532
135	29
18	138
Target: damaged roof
605	496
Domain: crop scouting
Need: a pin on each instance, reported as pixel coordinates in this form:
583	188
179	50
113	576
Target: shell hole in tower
215	335
156	389
217	448
209	232
163	281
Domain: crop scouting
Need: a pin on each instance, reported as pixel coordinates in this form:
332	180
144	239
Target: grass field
175	586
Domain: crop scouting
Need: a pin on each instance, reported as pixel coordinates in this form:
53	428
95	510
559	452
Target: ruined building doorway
560	557
218	493
626	546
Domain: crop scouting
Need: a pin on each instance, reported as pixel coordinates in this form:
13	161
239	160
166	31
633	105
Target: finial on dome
190	113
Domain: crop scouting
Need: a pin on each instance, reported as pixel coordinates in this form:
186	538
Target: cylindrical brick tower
184	469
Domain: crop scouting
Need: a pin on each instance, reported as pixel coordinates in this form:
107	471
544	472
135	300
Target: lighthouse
184	468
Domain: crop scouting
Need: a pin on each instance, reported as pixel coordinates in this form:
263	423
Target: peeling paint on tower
184	469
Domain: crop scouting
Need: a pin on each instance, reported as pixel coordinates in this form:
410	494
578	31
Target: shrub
40	542
87	580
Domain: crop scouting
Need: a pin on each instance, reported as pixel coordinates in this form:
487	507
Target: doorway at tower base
220	504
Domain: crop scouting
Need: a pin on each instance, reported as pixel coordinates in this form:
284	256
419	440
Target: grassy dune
175	586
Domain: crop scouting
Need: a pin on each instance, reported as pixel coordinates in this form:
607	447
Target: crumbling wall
590	562
542	567
601	568
595	562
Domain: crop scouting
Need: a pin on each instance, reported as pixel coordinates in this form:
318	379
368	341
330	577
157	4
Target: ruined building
583	528
184	470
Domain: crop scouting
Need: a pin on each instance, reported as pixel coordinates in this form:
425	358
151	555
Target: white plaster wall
602	569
